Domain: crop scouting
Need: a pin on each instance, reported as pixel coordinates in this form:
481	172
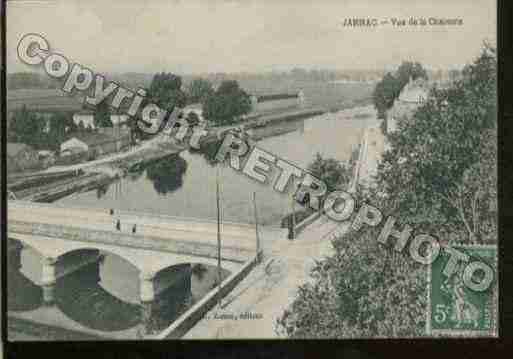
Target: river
185	185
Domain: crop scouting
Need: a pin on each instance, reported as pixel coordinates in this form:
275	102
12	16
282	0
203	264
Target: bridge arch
84	294
16	245
23	292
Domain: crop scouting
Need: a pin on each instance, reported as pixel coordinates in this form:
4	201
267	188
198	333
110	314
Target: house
87	119
412	96
97	143
73	145
119	120
21	157
84	117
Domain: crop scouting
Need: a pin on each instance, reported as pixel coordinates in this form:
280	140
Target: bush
227	104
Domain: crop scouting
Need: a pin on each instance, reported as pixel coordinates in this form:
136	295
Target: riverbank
25	330
184	184
106	169
273	285
274	124
60	181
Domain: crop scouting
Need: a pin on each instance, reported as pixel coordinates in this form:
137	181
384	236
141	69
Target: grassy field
328	95
43	100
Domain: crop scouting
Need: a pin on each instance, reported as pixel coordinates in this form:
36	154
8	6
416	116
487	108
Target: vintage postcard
251	169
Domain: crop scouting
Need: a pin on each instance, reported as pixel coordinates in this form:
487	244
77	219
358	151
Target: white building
118	119
87	119
73	145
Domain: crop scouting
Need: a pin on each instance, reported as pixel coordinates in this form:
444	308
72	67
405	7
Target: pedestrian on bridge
134	228
118	225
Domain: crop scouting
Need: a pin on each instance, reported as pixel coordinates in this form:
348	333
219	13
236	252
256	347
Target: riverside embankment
184	185
60	181
273	285
100	172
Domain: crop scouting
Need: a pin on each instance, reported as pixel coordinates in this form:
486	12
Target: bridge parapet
154	243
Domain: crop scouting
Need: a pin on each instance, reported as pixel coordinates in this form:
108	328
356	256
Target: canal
183	185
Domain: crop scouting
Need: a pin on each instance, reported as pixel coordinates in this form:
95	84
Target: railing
148	242
30	204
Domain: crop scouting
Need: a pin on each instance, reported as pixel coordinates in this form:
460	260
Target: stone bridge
163	248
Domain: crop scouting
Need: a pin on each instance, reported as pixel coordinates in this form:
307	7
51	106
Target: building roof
13	148
193	106
84	113
414	91
90	138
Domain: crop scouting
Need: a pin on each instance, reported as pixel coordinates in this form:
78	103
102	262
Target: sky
196	36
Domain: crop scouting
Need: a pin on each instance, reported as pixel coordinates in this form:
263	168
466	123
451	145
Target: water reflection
193	194
22	293
87	303
85	296
165	173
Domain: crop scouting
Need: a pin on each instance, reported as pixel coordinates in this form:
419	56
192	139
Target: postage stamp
455	309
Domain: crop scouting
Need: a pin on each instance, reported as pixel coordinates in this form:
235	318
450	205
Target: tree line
221	106
440	177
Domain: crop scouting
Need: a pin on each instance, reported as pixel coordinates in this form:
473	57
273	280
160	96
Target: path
374	145
272	286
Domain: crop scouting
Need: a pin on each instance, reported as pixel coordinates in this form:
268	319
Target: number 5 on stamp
454	309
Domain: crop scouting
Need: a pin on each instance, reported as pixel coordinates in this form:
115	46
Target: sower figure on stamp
464	311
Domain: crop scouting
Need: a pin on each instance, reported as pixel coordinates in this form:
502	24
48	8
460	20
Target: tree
227	104
27	127
167	173
102	115
198	90
439	176
193	118
364	289
165	91
475	198
385	93
427	168
410	70
60	125
330	171
389	88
